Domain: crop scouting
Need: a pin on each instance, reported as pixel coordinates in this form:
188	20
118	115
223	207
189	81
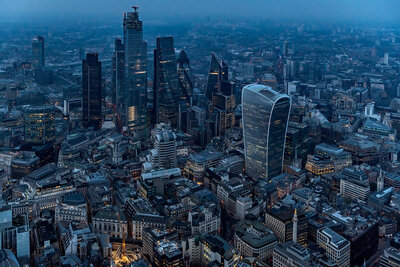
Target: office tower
186	85
135	76
118	66
39	125
196	117
166	85
38	52
13	237
223	105
354	184
218	72
336	246
91	91
165	149
248	71
265	115
386	58
186	78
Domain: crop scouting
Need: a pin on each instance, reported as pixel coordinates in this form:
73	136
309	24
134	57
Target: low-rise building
253	239
354	184
336	246
72	207
110	221
280	221
205	219
291	254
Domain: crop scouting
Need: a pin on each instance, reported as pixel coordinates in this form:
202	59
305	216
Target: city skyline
200	133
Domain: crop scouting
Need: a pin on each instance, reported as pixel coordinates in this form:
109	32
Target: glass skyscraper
118	65
135	83
265	115
38	52
218	73
91	92
186	77
166	86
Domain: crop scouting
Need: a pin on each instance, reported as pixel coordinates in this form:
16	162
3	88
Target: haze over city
340	11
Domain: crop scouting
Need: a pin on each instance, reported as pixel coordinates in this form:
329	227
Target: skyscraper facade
218	72
223	105
265	115
135	75
39	125
91	92
165	145
166	85
118	65
38	52
186	77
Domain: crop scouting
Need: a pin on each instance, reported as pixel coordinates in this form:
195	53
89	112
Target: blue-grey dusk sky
330	10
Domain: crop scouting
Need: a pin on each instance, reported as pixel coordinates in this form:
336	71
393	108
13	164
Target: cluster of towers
173	81
265	112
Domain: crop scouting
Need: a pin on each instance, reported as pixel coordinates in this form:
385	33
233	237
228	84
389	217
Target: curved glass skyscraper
265	119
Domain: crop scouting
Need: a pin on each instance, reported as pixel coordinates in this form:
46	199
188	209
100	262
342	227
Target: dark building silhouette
223	106
135	84
91	92
38	52
118	66
166	86
186	77
218	72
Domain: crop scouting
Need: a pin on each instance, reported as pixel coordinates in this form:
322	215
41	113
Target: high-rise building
38	52
186	78
135	83
91	92
164	152
39	125
118	65
218	72
166	85
223	105
265	115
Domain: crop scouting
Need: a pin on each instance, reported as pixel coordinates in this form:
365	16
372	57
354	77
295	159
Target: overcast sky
372	11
